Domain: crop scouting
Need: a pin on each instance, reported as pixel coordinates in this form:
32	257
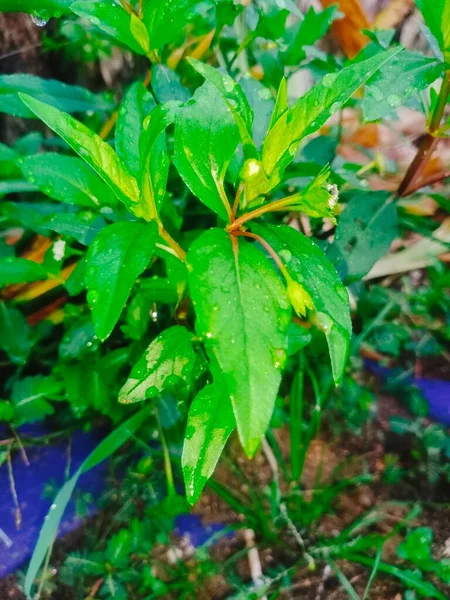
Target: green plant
170	270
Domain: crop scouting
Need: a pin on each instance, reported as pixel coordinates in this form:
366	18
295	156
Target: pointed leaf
209	425
90	147
436	14
165	19
205	142
67	179
168	359
136	106
243	314
166	85
111	18
366	229
49	529
312	110
20	270
309	266
406	75
69	98
116	257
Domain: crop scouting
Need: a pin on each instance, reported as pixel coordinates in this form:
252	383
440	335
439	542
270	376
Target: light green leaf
116	22
116	257
168	359
436	14
366	228
67	179
136	106
69	98
236	101
20	270
210	423
205	142
15	338
242	313
405	76
96	152
318	199
42	8
165	19
312	110
49	530
310	268
82	227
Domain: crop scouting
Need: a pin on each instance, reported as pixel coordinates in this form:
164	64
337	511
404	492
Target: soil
326	462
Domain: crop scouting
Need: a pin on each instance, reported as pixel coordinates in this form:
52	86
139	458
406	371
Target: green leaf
42	8
49	530
136	106
15	338
166	85
165	19
111	18
306	33
97	153
312	110
236	101
30	398
205	142
169	358
318	199
366	228
20	270
261	103
405	76
210	423
83	227
242	313
69	98
309	267
116	257
154	160
67	179
436	14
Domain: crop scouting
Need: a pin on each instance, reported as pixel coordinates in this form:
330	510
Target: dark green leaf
67	179
111	18
83	227
242	313
136	106
404	77
30	398
116	257
15	338
69	98
205	142
210	422
306	33
169	358
97	153
20	270
366	228
39	8
166	85
310	268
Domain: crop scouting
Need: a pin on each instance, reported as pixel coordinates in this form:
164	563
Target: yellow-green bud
299	297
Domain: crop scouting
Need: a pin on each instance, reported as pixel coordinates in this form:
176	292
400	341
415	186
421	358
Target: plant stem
253	214
429	142
296	414
178	250
167	464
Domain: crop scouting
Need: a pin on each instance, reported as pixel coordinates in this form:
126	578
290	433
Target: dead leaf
348	29
393	14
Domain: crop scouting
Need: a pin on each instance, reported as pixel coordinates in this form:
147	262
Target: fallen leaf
348	29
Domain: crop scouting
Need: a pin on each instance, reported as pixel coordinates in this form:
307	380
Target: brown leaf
348	29
393	14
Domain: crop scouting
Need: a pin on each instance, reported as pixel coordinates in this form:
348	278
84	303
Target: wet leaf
116	257
310	268
210	423
242	313
437	16
165	19
170	358
97	153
